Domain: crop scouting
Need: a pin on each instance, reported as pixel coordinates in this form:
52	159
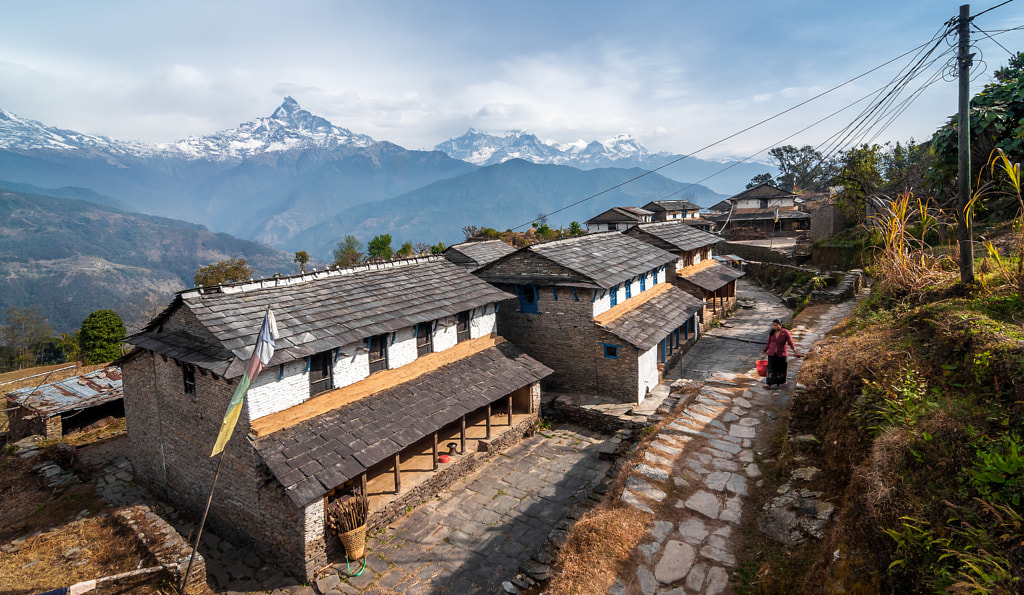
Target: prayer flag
261	355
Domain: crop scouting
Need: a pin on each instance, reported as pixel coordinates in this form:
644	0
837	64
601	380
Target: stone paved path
706	458
479	531
472	538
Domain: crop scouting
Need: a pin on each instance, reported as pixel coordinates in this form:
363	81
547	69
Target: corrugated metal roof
77	392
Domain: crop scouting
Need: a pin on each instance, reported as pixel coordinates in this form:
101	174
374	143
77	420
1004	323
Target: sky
678	76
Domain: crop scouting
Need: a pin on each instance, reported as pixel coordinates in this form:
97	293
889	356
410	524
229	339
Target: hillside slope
69	257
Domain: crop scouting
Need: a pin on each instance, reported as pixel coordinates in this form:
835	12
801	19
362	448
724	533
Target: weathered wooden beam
435	451
398	474
462	437
510	410
362	484
488	421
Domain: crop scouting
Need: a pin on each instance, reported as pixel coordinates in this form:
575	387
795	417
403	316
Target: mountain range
274	178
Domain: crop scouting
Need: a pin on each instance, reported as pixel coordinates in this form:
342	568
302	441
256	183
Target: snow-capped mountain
487	149
289	127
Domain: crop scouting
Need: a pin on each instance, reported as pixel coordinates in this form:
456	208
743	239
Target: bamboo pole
202	523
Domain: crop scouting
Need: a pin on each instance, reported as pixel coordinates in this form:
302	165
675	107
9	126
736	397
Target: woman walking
778	340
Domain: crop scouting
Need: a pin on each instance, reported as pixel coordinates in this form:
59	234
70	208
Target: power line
974	16
985	33
735	134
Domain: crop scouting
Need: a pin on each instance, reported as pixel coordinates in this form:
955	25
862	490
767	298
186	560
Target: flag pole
202	523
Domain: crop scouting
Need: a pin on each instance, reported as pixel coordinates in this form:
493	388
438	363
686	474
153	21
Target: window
763	203
613	227
643	282
321	373
611	351
613	293
629	289
654	277
378	352
188	374
527	298
424	338
462	327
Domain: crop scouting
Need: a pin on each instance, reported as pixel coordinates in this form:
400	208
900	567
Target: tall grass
905	262
999	163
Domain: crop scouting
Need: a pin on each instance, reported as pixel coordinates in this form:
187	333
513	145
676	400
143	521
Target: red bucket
762	367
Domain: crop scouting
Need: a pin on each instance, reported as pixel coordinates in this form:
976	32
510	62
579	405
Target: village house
374	367
618	219
696	271
600	310
56	408
474	254
672	210
761	211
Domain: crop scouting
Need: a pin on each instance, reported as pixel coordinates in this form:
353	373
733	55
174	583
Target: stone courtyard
480	532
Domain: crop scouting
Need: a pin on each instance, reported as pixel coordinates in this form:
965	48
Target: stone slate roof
315	312
721	207
320	454
670	205
77	392
714	277
620	215
677	233
763	190
476	254
600	260
647	324
761	215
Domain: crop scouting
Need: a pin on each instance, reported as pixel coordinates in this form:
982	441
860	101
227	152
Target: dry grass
600	545
905	262
27	506
73	553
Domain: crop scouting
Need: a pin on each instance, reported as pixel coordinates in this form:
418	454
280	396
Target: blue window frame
527	298
654	277
643	282
629	289
611	351
613	293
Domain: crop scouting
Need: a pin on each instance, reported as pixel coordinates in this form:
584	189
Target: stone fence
848	287
166	546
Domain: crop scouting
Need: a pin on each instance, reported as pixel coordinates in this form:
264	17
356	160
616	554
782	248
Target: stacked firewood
347	514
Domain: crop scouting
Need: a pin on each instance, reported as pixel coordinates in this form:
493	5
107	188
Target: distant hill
70	257
498	196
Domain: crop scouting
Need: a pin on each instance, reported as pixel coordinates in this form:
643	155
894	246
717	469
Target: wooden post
510	409
398	474
488	421
435	451
362	484
462	437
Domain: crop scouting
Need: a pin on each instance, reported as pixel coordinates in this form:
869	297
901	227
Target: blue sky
675	75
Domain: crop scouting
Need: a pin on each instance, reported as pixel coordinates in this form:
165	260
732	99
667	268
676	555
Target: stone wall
755	253
170	435
826	222
561	336
165	545
845	290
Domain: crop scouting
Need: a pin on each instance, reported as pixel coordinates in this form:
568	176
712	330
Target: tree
301	258
438	248
759	179
224	271
470	231
100	337
860	174
379	247
23	332
64	347
575	229
803	168
406	250
997	122
348	252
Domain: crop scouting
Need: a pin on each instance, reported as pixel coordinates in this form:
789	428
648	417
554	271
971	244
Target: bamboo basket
354	542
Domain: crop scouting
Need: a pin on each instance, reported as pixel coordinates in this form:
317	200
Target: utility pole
965	238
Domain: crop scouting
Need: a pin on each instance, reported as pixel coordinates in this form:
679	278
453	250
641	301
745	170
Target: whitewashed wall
483	324
403	350
353	367
446	335
269	395
647	370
